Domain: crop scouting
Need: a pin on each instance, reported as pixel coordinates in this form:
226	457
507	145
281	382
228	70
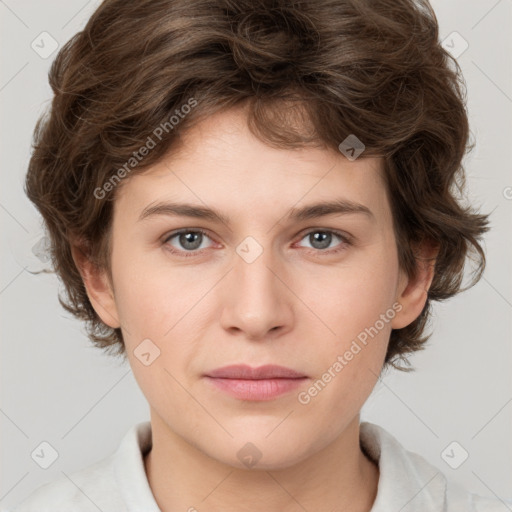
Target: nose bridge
254	269
257	296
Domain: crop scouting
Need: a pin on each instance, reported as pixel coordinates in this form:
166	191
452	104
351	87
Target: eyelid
342	234
172	234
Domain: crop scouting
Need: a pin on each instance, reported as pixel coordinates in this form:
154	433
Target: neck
182	477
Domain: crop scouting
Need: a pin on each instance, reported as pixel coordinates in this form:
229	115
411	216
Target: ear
98	286
412	293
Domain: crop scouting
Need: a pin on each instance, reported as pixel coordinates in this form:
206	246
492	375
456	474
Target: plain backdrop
56	387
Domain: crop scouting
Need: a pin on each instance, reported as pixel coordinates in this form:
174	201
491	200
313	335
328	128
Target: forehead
220	163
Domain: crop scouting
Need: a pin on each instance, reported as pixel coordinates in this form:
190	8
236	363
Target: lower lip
264	389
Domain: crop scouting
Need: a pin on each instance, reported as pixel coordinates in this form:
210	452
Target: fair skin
297	304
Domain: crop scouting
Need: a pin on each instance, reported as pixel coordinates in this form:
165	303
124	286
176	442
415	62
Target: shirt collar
129	469
407	481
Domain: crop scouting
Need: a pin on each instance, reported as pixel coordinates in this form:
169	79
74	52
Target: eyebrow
312	211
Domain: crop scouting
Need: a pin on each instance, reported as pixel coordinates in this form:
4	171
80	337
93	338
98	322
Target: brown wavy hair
372	68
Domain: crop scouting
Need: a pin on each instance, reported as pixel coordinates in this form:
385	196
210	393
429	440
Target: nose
257	299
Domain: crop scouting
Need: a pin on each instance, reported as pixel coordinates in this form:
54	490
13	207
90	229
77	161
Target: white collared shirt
118	483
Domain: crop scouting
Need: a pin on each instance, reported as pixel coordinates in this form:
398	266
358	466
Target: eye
189	239
325	238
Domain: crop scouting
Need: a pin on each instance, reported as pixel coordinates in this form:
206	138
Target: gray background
56	387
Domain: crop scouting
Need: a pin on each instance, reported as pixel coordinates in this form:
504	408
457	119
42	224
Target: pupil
186	239
326	241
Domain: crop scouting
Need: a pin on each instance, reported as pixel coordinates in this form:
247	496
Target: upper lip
242	371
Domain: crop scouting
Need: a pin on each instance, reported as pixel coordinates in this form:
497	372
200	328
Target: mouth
255	384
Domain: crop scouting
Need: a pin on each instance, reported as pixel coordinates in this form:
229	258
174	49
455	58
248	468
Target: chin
260	455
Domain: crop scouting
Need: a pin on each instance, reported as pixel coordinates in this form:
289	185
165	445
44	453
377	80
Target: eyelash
346	241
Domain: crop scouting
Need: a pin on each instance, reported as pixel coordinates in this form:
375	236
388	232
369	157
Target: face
260	287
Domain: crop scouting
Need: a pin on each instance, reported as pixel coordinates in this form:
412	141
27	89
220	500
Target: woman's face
316	293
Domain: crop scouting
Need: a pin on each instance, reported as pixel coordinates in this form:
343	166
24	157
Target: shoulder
485	504
82	491
405	474
460	499
107	485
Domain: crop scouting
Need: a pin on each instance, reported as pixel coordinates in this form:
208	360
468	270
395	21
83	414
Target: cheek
351	359
145	302
352	298
161	306
356	306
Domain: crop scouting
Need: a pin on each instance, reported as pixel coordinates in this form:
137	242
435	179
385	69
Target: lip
243	371
257	384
